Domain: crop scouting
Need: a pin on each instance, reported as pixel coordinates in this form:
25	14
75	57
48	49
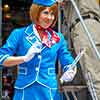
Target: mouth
48	22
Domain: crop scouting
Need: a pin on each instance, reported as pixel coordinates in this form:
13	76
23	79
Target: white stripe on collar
36	32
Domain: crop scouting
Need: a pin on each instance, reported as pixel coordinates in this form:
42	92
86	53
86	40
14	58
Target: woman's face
46	18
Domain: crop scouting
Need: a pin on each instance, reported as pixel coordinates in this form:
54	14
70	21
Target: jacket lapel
31	37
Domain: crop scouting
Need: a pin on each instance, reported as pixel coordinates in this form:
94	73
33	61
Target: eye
52	13
46	12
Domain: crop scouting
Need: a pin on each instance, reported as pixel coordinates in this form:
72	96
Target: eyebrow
51	11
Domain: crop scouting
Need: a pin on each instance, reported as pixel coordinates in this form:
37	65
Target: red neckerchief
45	40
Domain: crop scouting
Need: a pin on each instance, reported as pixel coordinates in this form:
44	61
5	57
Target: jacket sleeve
10	47
64	55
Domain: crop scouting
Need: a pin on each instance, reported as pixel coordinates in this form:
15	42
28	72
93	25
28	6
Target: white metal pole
85	28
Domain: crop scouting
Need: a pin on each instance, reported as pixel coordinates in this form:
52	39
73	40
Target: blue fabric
39	69
44	2
36	92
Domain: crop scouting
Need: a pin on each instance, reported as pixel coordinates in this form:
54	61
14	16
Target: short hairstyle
36	9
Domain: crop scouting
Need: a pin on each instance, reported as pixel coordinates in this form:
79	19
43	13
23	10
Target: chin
47	26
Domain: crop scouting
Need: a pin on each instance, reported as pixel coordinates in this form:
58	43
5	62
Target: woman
37	47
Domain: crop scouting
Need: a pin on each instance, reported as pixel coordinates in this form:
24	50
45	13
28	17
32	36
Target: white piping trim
25	86
50	94
27	29
51	69
43	48
22	68
38	68
23	95
3	57
27	38
43	85
36	33
46	86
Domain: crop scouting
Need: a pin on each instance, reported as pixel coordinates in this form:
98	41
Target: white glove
32	51
68	75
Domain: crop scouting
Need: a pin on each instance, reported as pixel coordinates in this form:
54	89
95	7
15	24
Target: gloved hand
68	75
32	51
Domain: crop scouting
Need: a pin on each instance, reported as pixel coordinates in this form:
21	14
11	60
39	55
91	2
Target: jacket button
37	69
39	56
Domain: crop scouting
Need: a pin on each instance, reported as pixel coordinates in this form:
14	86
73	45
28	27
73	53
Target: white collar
36	32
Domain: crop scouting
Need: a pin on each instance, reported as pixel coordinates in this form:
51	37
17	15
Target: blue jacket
42	67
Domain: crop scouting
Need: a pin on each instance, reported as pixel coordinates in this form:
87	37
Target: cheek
49	19
53	18
45	18
42	18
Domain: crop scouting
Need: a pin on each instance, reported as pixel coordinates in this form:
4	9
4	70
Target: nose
49	16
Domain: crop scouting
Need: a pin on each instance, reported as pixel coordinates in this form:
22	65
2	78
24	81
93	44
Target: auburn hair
36	9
